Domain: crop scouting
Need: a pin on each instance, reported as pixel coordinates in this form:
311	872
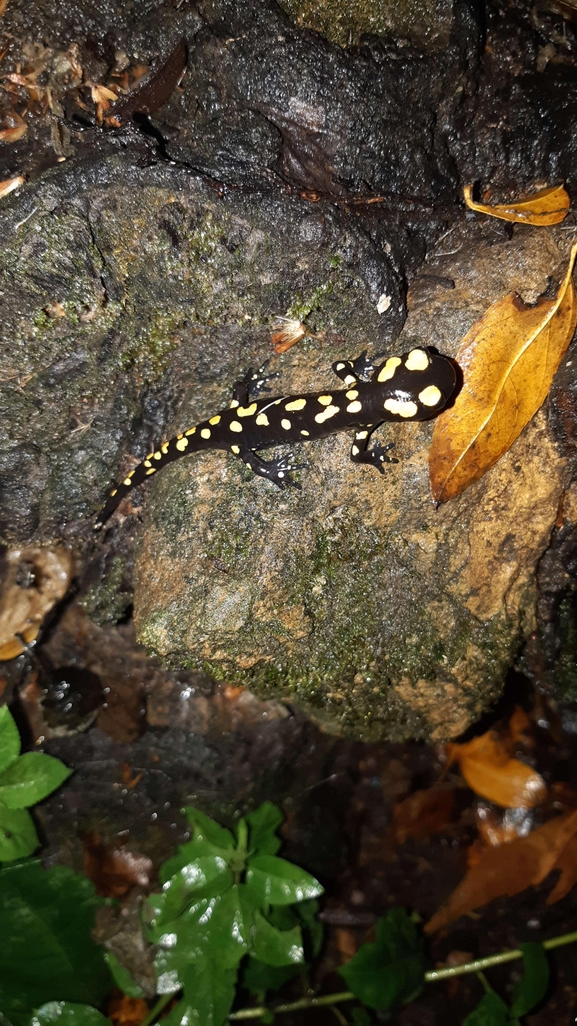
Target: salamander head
418	384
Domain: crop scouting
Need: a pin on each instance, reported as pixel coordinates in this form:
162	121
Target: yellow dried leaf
507	870
508	360
548	206
491	773
10	184
12	135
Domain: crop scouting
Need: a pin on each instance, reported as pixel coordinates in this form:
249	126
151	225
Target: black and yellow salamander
414	386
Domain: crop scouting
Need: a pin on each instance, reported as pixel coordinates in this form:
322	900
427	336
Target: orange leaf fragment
287	331
509	870
508	360
423	813
567	863
548	206
491	772
10	184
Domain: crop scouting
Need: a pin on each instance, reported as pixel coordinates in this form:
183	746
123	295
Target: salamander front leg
354	371
375	457
251	386
276	470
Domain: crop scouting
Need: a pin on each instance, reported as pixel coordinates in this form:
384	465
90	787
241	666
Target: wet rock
427	24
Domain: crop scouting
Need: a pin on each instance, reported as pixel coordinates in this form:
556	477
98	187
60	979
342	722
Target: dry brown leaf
114	871
287	332
567	863
520	727
548	206
423	813
508	870
12	135
490	772
3	6
127	1011
508	360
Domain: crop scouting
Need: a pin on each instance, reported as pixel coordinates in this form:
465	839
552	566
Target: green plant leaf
307	912
122	977
262	825
276	947
532	986
64	1013
361	1017
258	977
208	995
491	1011
275	881
204	878
9	738
211	931
208	839
18	837
48	914
30	778
390	971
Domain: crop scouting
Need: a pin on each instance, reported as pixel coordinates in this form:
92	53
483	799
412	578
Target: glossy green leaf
262	825
31	778
203	878
211	931
208	839
208	995
258	977
390	971
491	1011
48	914
64	1013
275	881
307	912
276	947
9	738
532	986
122	977
18	837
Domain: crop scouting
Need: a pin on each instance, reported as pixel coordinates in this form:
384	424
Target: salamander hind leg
277	470
252	385
375	457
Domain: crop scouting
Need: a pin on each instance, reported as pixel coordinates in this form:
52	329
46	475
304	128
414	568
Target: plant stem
157	1009
430	977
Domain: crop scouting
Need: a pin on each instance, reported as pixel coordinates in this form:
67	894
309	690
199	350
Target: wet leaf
423	813
276	947
9	738
508	360
491	1011
258	977
275	881
208	839
532	986
31	778
567	863
122	977
390	971
208	994
48	915
64	1013
204	878
263	824
548	206
490	772
18	837
508	870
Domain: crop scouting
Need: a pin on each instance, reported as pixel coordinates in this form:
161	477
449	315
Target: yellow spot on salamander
235	425
151	471
361	434
355	450
355	407
127	482
387	372
235	449
262	420
113	492
286	424
157	455
164	448
234	403
182	444
326	414
430	396
191	431
417	360
401	409
215	420
247	411
352	394
205	433
350	379
180	436
147	463
305	433
297	404
324	400
340	366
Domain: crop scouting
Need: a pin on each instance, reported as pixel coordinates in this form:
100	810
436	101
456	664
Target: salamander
414	386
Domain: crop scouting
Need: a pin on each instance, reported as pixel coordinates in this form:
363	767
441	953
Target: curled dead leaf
548	206
490	772
423	813
287	331
10	184
508	870
508	360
